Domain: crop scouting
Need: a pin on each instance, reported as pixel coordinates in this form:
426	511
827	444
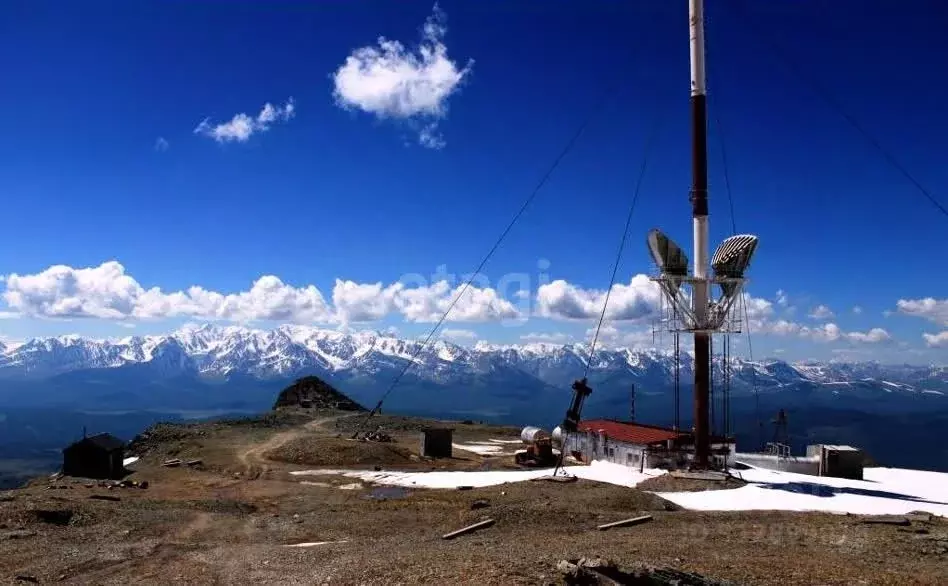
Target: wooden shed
436	442
96	456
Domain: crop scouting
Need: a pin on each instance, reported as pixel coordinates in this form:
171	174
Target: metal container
531	435
557	436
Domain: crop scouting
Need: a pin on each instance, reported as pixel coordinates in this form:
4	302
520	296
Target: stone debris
377	436
602	571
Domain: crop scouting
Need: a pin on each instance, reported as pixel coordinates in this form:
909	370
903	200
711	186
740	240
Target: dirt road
254	462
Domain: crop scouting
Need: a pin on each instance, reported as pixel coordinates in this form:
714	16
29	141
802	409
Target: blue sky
122	144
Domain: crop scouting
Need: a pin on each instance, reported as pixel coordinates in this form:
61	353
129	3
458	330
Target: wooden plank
468	529
626	522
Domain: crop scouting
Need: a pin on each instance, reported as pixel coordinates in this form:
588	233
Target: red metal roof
633	433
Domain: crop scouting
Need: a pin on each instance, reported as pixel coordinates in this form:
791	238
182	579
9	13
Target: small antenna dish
669	257
732	258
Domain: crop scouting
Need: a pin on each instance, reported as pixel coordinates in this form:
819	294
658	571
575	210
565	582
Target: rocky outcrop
313	392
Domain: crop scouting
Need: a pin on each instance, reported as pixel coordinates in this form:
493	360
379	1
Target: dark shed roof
106	441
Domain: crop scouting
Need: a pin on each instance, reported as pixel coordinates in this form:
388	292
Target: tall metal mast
698	313
699	215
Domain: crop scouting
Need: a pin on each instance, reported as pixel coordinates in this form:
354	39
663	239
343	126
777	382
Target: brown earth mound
312	450
669	483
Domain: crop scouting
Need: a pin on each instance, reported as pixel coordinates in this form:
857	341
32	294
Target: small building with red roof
638	445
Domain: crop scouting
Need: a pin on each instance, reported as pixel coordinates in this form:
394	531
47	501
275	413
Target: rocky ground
236	517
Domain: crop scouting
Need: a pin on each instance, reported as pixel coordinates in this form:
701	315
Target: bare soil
223	525
669	483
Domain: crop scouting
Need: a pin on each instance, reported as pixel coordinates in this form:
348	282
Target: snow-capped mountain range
219	353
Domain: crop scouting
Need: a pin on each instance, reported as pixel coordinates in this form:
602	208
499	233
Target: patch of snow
598	471
479	448
352	486
130	460
315	543
501	441
885	491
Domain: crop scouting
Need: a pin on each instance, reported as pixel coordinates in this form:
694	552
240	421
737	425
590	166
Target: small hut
436	442
96	456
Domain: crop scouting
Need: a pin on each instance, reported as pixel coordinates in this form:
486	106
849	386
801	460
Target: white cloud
107	292
390	81
939	340
241	127
612	337
555	338
637	301
460	336
821	312
161	145
356	302
935	310
758	308
781	298
428	304
857	310
829	332
873	336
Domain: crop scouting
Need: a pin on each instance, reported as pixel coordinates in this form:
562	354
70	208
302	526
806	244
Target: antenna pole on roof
632	410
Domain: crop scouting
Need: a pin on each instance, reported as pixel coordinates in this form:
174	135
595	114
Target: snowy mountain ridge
220	352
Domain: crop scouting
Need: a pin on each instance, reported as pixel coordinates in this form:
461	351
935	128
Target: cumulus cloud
758	308
460	336
939	340
781	298
829	332
934	310
857	310
873	336
356	302
429	303
638	301
554	338
107	292
392	82
611	336
821	312
242	126
161	145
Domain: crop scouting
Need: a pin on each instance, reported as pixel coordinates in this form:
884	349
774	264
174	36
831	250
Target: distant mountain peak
216	351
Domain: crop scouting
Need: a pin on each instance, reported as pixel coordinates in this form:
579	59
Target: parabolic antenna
669	257
732	258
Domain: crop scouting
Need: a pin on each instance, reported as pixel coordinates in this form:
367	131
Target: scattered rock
480	504
590	571
26	578
7	497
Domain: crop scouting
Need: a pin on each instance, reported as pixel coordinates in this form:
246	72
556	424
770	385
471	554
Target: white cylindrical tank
532	434
557	435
